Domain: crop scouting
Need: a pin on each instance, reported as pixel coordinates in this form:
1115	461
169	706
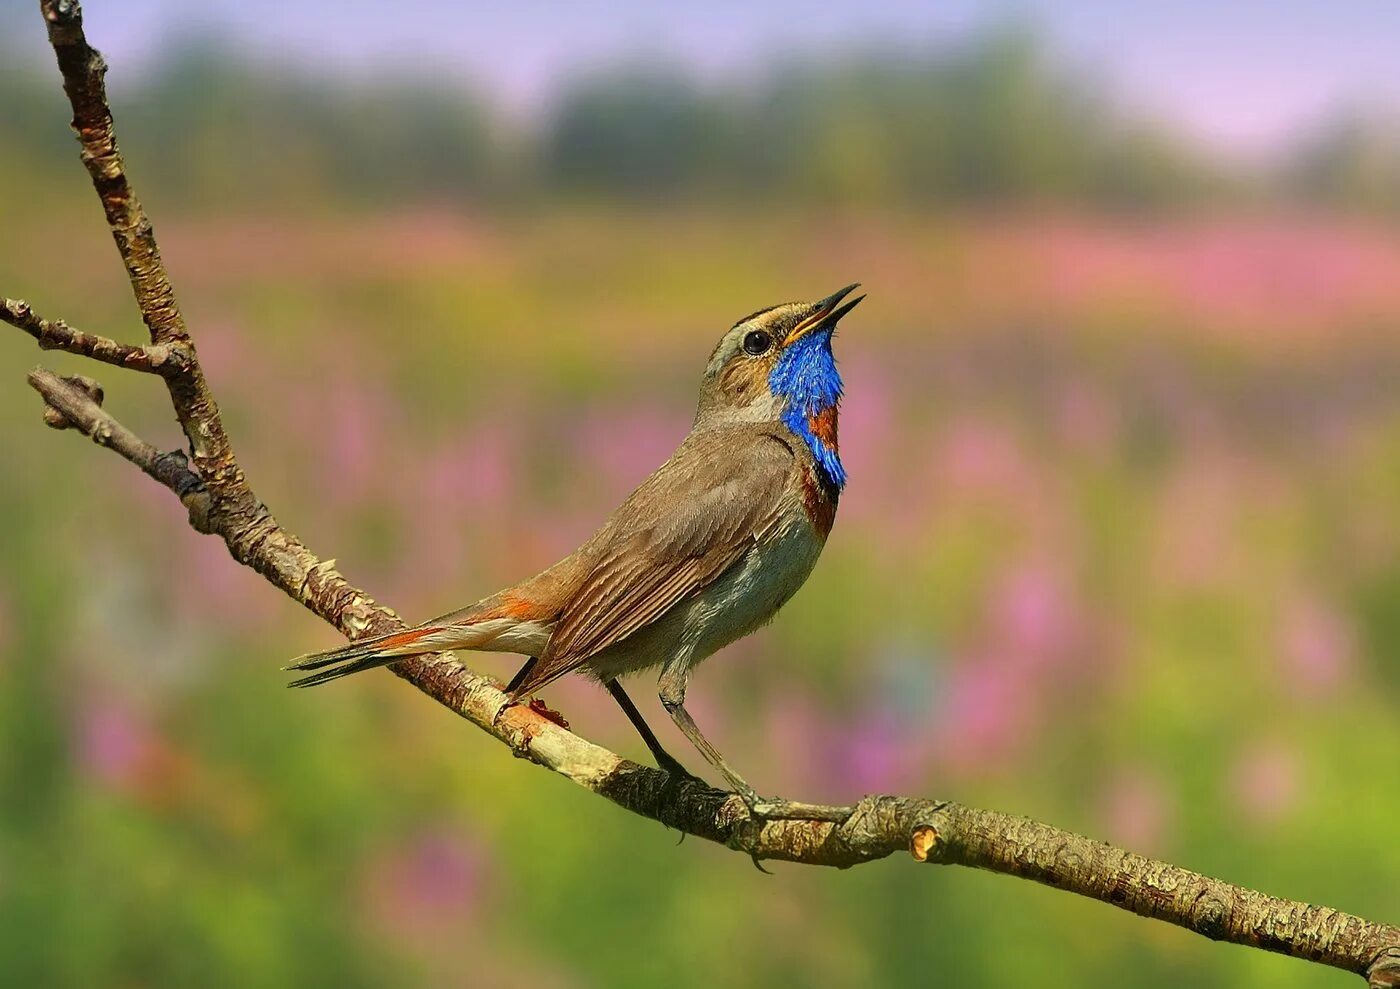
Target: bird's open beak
826	313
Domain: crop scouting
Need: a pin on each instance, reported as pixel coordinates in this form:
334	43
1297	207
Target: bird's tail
487	626
366	654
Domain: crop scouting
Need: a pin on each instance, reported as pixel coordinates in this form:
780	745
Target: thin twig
57	335
76	404
931	831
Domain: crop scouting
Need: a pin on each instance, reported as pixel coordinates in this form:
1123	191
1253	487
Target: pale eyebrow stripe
760	312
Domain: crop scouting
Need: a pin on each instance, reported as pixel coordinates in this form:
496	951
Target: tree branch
220	501
76	403
58	335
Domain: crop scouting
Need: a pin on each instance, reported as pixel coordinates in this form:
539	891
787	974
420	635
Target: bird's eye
757	342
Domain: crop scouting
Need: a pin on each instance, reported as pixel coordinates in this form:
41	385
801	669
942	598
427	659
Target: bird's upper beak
825	314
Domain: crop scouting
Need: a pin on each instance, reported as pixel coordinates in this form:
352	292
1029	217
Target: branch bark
213	488
58	335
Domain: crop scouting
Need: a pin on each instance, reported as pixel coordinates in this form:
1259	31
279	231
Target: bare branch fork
212	487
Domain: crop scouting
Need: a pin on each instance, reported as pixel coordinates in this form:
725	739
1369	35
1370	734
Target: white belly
744	598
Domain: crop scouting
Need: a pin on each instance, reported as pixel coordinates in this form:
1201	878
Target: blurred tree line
1351	162
994	120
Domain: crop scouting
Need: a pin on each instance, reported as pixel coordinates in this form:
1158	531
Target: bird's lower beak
826	313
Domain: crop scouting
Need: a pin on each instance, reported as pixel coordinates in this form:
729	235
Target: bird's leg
520	676
663	758
674	679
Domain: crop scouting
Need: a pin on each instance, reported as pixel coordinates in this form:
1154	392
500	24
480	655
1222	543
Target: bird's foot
678	773
777	809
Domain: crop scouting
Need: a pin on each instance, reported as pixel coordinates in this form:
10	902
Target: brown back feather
675	535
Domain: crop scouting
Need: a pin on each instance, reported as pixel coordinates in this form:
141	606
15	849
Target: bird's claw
761	808
778	809
677	773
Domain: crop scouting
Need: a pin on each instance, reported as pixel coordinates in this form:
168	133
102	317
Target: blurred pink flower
1033	621
431	238
1286	275
984	716
354	425
626	445
1264	781
427	887
225	349
557	529
978	453
873	757
870	447
1316	644
465	507
203	584
480	469
1085	421
151	504
794	723
1197	544
112	741
1137	811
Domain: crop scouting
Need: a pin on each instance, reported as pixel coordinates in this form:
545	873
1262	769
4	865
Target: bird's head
776	366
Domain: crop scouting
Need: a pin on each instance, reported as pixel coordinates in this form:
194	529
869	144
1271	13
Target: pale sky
1244	74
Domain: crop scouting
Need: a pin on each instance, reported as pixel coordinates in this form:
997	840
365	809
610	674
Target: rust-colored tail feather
366	654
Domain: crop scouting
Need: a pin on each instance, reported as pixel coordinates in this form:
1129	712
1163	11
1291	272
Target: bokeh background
1121	548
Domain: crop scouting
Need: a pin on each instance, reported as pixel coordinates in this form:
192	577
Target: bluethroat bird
705	551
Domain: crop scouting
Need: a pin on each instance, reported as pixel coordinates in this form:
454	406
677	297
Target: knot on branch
55	418
922	841
173	469
172	359
21	314
1210	914
53	335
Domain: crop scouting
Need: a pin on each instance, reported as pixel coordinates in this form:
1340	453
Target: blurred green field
1120	550
1114	556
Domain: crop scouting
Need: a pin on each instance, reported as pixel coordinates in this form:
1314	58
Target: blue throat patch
806	376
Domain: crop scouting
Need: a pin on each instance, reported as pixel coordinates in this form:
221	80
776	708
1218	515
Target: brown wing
685	526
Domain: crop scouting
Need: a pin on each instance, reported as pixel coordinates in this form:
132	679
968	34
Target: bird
705	551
